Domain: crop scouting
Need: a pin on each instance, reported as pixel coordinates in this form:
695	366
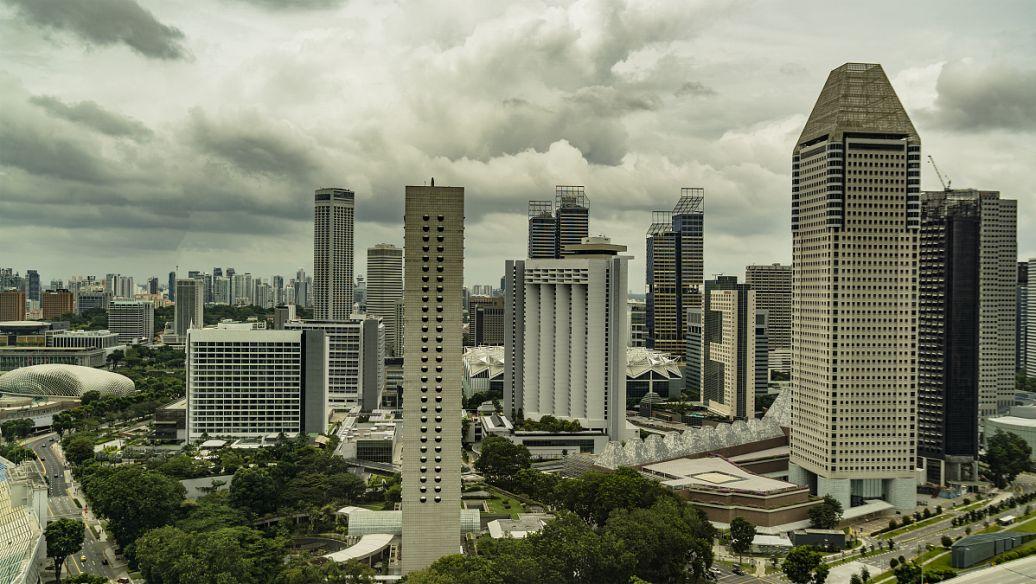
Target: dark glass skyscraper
675	266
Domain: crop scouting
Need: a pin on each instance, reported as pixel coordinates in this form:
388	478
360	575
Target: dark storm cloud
91	115
106	22
976	98
37	151
695	89
253	145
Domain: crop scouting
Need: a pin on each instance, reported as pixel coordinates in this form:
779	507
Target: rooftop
714	474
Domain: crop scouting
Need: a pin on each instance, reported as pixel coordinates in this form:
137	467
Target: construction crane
945	183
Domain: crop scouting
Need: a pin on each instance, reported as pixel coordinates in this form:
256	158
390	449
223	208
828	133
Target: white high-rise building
733	348
432	373
245	382
385	288
855	219
333	254
189	311
221	290
132	320
575	336
356	359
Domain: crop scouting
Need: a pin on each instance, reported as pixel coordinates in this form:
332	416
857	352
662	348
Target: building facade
132	320
432	370
385	288
333	222
54	303
542	230
248	383
966	339
571	216
486	320
356	359
675	267
514	337
773	284
1030	322
855	218
1021	317
575	337
734	329
189	311
87	300
12	305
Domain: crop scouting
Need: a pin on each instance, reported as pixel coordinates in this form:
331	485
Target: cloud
980	97
91	115
695	89
253	144
294	4
106	22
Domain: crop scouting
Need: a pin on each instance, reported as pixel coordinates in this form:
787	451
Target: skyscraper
432	369
733	330
542	230
189	311
572	217
55	303
356	359
575	337
772	285
514	338
32	281
152	285
486	320
385	288
967	278
1030	322
1021	316
171	289
855	216
333	254
675	266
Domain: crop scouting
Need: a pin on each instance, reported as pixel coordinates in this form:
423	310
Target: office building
189	311
356	359
675	264
734	328
514	338
333	254
55	303
120	286
1021	317
242	288
855	217
221	290
572	217
282	315
968	274
132	320
170	286
385	289
152	285
575	336
486	320
32	284
253	383
24	513
12	305
87	300
68	339
637	312
433	278
542	230
1030	322
772	284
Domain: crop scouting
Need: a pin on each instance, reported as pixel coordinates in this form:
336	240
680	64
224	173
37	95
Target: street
63	493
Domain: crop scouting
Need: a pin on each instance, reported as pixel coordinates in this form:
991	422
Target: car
82	558
738	571
715	570
123	580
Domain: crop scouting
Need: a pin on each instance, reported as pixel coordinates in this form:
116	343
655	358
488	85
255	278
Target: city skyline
671	104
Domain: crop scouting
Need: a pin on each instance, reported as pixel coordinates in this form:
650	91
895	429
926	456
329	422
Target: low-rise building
518	528
545	445
648	370
171	422
370	437
132	320
17	357
103	339
1021	421
968	551
483	370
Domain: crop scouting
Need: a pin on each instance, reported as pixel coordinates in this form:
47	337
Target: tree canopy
501	460
827	514
133	498
805	565
238	555
64	538
1007	456
741	535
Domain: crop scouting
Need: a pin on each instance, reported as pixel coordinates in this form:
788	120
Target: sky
138	135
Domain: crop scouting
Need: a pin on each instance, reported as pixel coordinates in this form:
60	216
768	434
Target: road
62	503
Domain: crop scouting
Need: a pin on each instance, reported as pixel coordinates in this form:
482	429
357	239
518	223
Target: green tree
64	538
827	514
63	422
238	555
16	452
458	569
114	358
501	460
804	565
1007	455
865	574
670	541
133	499
307	569
595	495
85	578
78	447
946	541
855	579
741	535
89	397
15	429
907	573
255	490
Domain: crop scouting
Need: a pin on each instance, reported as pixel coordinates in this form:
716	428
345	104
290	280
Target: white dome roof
57	380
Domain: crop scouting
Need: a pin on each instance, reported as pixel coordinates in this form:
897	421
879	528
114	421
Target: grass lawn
497	506
913	526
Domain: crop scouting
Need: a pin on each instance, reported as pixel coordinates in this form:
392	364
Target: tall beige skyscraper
385	288
772	286
855	217
333	218
432	370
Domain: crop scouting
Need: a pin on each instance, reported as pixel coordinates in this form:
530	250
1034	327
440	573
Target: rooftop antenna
945	183
433	181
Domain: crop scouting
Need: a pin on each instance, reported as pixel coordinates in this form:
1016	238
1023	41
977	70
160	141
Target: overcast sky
136	135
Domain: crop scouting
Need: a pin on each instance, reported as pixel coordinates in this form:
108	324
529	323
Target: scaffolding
567	196
692	200
661	222
541	208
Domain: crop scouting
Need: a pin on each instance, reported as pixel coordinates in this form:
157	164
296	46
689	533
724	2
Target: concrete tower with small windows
432	373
